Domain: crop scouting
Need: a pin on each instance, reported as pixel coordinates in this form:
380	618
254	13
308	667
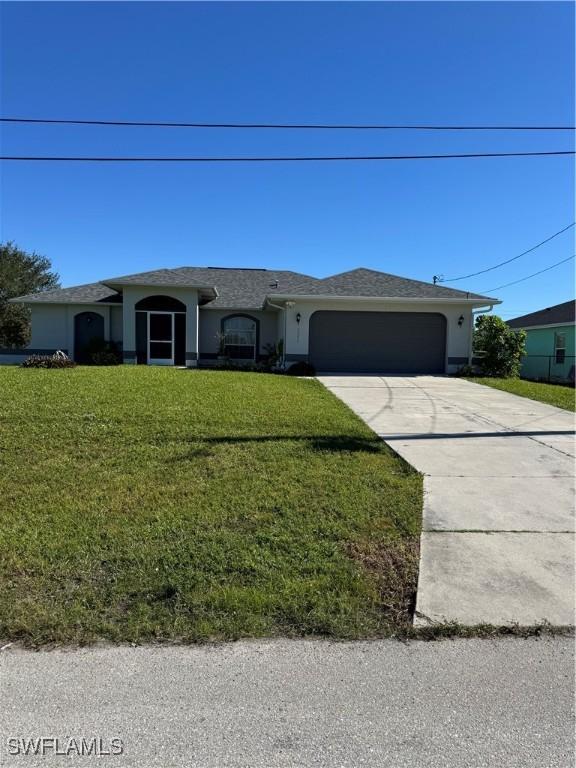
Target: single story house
549	343
358	321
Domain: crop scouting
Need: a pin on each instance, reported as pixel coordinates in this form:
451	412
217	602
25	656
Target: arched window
240	337
161	304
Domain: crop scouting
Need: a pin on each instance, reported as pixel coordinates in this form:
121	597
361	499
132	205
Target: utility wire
552	266
502	263
274	159
292	126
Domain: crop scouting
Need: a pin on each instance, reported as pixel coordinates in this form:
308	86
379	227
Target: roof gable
374	284
246	288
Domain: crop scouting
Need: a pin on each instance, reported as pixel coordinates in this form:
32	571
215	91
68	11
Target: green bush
246	366
109	356
465	371
103	352
274	354
498	347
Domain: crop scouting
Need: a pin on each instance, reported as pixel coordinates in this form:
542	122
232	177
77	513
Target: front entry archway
88	328
160	331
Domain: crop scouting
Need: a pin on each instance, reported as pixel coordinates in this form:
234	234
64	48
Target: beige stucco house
357	321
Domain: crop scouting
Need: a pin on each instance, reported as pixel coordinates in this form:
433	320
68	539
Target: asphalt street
506	702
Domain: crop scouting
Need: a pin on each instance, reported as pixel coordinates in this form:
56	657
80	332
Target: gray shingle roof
248	288
371	283
79	294
237	288
161	277
560	313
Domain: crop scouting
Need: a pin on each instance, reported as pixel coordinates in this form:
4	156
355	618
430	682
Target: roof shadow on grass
324	443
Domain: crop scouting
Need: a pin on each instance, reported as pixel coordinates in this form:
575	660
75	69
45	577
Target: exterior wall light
298	317
461	321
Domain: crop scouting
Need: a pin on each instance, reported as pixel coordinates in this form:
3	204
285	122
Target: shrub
274	354
106	357
465	370
499	347
57	360
221	339
248	366
110	355
102	352
301	368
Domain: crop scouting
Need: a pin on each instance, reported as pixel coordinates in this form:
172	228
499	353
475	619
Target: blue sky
444	63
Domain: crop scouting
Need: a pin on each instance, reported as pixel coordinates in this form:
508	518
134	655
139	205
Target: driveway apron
497	542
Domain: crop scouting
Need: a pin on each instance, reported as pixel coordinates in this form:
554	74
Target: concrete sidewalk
498	530
296	704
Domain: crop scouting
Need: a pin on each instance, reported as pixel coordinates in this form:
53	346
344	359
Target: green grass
144	504
553	394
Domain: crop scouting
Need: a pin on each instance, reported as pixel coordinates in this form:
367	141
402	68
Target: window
239	337
560	347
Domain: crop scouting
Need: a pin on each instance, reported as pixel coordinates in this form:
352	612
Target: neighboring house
362	320
549	343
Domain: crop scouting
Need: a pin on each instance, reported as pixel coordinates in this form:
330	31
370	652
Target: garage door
378	342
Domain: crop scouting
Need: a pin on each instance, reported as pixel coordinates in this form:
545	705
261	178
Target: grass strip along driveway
552	394
144	504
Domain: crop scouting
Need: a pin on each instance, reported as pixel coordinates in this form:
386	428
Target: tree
498	346
20	273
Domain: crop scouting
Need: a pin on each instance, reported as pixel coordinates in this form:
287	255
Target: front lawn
161	504
553	394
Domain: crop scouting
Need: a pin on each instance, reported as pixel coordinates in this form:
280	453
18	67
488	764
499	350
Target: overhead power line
291	126
522	279
297	159
508	261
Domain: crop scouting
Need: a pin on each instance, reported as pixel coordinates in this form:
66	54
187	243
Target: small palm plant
221	338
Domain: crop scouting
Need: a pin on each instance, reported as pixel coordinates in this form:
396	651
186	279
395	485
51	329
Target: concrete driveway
498	530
